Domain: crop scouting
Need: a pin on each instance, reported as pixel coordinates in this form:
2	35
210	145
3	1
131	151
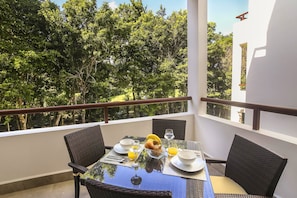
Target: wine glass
169	135
136	180
132	155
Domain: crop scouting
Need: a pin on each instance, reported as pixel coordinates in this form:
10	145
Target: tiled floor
57	190
66	189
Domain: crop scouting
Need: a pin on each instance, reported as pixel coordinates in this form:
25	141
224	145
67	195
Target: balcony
40	156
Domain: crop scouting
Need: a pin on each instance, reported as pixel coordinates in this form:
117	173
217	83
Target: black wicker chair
252	167
98	189
85	147
178	126
238	196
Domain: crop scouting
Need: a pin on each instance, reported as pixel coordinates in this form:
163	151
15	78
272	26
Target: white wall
240	36
270	32
33	153
41	152
272	74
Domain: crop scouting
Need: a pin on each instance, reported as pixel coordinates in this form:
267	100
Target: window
243	66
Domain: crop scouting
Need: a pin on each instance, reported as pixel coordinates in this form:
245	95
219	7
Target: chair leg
76	184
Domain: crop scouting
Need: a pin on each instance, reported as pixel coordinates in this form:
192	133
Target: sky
223	12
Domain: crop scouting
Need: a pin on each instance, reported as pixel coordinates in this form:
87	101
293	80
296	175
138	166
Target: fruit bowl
156	154
153	146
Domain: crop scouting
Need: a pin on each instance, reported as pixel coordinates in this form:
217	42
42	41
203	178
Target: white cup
126	143
186	157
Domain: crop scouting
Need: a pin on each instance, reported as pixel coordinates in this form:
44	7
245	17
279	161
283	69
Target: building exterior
269	33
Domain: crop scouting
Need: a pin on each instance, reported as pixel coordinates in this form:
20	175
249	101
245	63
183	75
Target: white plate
119	149
197	165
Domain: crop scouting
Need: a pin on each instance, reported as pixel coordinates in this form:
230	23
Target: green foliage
219	70
84	54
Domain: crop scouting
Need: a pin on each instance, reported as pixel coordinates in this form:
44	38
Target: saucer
119	149
197	165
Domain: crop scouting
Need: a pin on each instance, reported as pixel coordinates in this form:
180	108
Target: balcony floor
57	190
66	189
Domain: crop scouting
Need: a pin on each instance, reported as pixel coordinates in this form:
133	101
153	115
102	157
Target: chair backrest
178	126
255	168
85	146
98	189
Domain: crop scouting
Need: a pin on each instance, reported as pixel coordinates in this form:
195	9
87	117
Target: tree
176	49
127	52
84	54
219	69
24	56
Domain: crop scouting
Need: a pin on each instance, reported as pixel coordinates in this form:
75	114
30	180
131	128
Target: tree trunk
23	121
83	111
58	119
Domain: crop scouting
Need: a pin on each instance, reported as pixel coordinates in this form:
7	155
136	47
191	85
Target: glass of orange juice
134	150
172	151
132	155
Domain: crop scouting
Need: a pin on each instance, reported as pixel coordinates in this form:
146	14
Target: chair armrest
108	147
213	160
77	168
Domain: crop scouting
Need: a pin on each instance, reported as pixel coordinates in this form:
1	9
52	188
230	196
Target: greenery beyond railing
84	53
169	107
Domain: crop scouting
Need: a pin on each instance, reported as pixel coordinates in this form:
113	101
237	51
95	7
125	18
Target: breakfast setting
177	161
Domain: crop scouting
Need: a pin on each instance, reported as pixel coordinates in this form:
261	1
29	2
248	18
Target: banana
153	137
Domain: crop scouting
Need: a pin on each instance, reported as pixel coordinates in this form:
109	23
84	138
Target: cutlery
115	160
114	157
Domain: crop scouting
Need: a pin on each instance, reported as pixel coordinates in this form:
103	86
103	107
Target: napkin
113	157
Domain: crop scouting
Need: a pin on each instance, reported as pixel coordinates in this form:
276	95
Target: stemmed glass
169	135
135	180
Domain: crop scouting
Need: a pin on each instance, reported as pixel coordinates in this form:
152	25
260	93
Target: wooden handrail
105	105
257	108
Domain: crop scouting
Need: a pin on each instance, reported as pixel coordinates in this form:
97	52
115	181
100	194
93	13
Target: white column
197	54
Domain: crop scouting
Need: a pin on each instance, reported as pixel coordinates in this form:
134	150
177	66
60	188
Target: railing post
106	114
256	119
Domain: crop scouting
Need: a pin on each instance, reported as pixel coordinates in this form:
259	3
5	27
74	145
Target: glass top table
150	174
